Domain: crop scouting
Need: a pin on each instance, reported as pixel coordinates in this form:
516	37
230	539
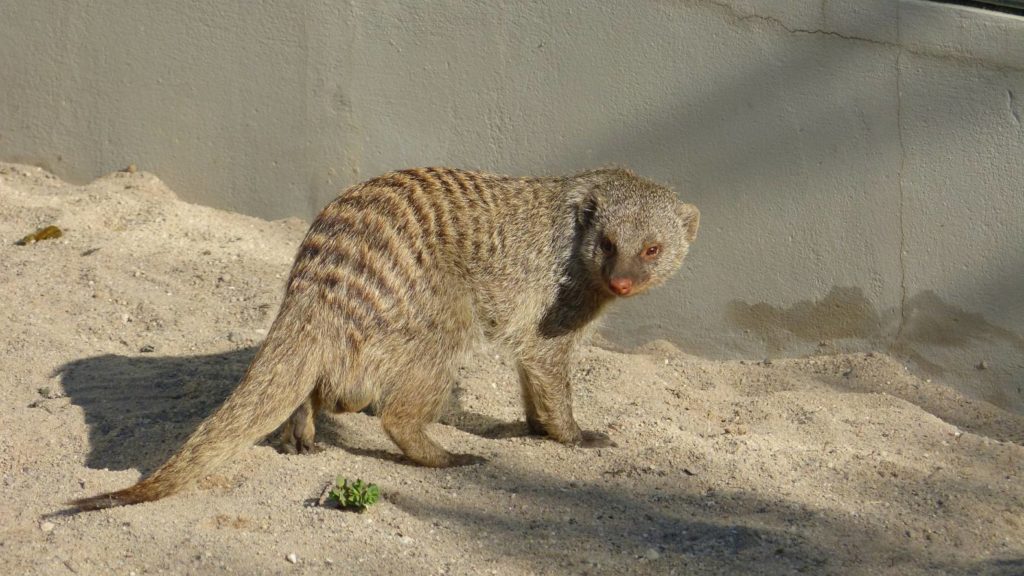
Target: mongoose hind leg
529	404
547	398
413	404
299	432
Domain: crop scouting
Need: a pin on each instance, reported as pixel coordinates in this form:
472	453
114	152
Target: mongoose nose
621	286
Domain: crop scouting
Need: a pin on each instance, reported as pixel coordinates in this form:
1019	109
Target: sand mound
124	333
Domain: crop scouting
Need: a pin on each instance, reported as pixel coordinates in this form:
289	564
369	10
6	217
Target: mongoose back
396	277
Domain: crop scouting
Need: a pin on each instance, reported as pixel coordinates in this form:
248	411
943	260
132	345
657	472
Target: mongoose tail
281	376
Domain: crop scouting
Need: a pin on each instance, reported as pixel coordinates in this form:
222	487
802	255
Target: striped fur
398	274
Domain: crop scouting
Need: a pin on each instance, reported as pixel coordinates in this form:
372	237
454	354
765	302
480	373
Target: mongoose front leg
547	397
299	432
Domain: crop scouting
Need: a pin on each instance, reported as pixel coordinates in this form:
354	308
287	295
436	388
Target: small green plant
354	496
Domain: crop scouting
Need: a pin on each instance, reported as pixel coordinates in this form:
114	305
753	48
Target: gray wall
858	164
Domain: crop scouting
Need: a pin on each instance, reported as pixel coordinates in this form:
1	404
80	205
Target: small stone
291	557
47	526
130	169
147	349
225	278
406	540
652	554
767	362
982	365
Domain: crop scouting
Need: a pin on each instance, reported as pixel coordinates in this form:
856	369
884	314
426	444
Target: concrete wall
859	165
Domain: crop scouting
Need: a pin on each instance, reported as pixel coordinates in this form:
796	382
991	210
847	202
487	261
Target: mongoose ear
589	203
690	216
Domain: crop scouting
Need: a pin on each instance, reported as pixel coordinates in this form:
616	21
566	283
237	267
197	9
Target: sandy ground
119	337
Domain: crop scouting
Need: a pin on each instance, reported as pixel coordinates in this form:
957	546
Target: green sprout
354	496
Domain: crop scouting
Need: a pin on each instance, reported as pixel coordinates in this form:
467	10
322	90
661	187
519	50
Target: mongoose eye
607	246
652	251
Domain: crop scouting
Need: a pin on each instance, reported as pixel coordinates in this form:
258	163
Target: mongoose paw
465	460
298	446
593	439
309	448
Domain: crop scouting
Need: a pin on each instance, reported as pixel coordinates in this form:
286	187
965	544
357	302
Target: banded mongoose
397	276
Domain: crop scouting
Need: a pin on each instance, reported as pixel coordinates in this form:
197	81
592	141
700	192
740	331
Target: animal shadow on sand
140	409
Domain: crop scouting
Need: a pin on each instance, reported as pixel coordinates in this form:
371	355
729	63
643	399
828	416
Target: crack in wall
899	184
735	16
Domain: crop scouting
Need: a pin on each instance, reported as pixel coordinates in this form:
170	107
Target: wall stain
937	338
950	343
843	313
930	320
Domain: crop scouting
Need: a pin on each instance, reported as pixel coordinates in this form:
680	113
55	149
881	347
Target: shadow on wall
961	348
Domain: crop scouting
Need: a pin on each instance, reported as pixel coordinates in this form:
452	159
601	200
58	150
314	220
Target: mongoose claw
592	439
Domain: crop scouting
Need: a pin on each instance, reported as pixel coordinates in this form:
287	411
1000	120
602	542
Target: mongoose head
636	232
